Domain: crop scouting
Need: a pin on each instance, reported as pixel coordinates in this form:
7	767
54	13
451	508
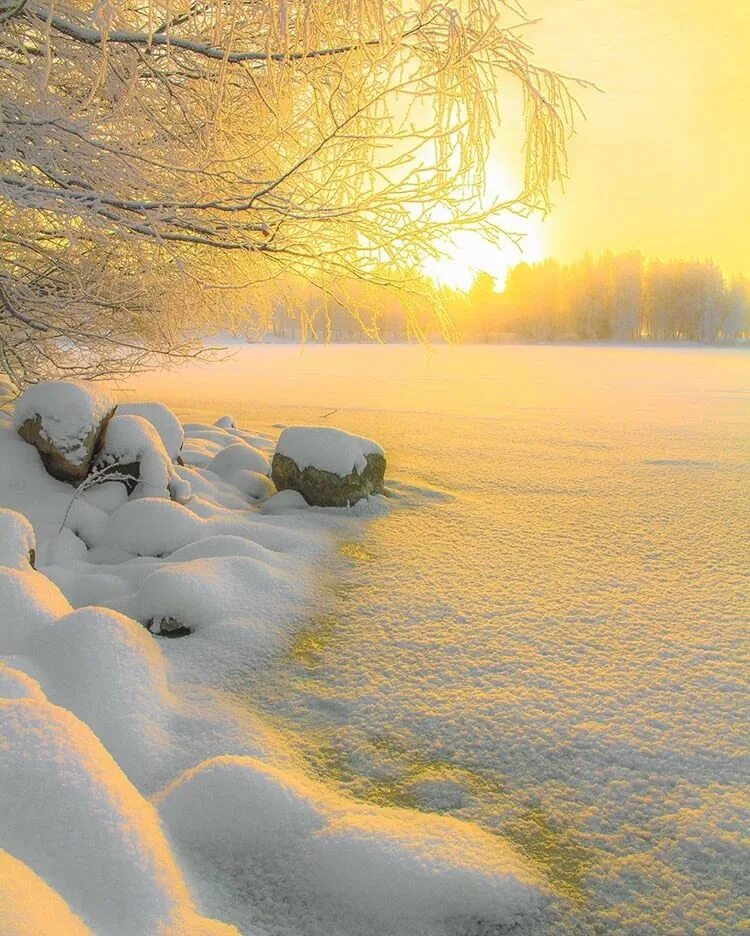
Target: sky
662	162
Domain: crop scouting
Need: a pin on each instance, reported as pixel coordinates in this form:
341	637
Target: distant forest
622	298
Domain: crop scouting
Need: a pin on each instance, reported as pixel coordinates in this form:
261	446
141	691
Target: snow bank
85	829
133	439
69	410
397	868
162	419
326	449
107	670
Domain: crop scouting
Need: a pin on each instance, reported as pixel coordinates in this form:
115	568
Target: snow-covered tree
161	161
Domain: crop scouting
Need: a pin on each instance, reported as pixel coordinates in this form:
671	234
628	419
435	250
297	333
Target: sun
468	253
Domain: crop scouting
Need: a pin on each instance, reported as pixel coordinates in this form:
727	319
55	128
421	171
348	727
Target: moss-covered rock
325	488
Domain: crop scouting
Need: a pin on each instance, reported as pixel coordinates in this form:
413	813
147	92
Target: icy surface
548	632
69	410
326	449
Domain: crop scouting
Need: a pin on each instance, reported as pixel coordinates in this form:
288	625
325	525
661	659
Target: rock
168	627
64	420
328	467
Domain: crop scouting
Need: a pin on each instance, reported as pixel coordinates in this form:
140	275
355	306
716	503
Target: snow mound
107	670
131	439
87	521
162	419
69	411
326	449
283	502
224	422
85	829
29	601
200	592
236	457
107	495
252	483
29	906
398	868
224	544
17	540
152	526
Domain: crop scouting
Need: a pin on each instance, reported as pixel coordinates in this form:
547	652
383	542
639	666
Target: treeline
612	298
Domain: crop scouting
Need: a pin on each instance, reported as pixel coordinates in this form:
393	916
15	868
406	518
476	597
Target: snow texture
326	449
69	411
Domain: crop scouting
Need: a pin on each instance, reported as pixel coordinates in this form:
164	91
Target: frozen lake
547	633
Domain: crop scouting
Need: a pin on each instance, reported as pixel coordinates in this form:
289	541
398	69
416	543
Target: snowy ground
140	791
547	633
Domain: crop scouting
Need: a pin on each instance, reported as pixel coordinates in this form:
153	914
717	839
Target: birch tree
163	163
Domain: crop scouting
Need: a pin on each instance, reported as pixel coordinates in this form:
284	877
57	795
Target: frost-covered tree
160	161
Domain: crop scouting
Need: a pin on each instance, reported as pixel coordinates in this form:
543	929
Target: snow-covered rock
132	446
236	457
17	540
162	419
64	420
329	467
224	422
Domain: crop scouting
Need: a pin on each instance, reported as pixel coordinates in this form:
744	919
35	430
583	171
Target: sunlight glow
468	253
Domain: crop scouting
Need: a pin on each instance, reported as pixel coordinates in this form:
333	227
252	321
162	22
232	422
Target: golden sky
662	162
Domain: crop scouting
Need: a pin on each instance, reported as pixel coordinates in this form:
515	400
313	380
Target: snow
83	827
252	483
283	502
326	449
69	411
162	419
237	457
527	638
17	540
397	867
29	600
133	438
113	714
29	905
151	526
